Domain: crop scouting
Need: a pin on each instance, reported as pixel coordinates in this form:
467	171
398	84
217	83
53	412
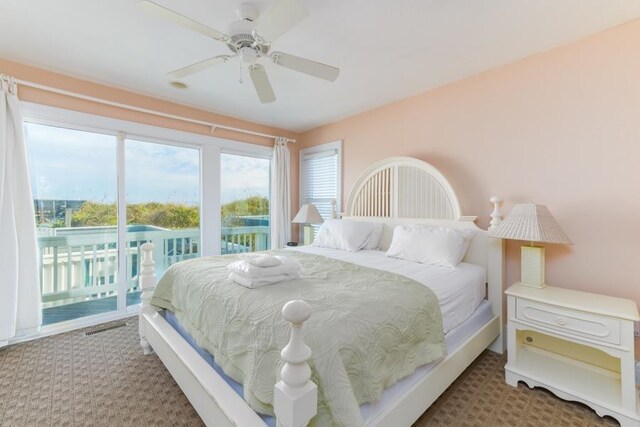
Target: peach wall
560	128
60	81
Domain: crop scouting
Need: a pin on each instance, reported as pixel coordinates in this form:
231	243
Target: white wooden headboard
403	187
404	190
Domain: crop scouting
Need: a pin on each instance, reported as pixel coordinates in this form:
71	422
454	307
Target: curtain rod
212	125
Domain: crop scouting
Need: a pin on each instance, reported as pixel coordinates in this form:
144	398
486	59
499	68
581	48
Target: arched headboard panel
403	187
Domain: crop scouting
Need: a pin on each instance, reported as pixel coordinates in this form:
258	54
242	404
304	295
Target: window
189	194
162	195
244	203
320	177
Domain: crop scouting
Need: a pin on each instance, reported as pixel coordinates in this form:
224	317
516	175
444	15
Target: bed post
496	274
295	395
146	281
334	213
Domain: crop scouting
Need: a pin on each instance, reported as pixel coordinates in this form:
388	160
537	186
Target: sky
75	165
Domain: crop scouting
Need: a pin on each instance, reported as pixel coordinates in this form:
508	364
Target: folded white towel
262	260
288	265
256	282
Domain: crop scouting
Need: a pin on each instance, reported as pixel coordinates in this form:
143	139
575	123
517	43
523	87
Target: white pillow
373	242
430	245
343	234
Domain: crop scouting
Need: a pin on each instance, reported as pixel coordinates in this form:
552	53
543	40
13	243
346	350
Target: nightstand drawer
571	322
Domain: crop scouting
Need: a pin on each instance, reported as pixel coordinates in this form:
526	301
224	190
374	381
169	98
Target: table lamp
532	223
308	215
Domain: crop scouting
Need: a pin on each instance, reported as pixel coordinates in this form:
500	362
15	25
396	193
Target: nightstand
578	345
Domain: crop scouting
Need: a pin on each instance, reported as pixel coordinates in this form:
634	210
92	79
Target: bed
394	191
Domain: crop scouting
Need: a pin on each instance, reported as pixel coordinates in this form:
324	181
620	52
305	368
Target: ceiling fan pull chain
241	79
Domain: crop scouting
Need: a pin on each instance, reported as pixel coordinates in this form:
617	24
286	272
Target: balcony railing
81	263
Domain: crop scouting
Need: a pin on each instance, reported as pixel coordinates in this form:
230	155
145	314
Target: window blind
320	180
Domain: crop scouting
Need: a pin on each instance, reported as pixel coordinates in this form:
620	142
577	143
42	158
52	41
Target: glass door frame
210	148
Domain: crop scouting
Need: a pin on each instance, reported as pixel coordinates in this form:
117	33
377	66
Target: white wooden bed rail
295	395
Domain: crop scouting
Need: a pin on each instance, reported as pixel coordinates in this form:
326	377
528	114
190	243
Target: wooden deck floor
85	308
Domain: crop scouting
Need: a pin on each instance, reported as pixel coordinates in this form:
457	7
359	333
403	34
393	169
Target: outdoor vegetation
166	215
255	205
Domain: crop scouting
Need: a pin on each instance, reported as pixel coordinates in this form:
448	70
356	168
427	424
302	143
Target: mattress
454	339
459	290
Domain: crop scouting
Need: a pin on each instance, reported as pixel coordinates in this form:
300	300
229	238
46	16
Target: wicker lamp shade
532	223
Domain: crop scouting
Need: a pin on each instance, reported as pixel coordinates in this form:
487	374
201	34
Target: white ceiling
386	49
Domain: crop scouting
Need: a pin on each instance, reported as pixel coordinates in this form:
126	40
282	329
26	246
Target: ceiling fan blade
261	83
306	66
183	21
282	16
199	66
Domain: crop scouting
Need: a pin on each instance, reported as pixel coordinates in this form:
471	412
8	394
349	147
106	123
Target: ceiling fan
250	39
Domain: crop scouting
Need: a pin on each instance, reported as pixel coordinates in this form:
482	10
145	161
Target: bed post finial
147	282
295	395
334	213
496	215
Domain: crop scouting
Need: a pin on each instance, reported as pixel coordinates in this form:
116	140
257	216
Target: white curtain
19	279
280	195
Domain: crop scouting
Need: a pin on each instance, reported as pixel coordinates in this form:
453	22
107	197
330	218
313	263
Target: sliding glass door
244	203
74	176
100	194
163	206
74	184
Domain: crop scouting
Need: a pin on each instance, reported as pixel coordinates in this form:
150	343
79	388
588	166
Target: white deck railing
74	267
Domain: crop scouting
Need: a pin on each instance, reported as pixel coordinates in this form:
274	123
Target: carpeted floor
103	379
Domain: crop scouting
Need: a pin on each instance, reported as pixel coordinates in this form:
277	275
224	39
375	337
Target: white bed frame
397	190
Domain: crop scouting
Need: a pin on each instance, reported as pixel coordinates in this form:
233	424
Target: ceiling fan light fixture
249	56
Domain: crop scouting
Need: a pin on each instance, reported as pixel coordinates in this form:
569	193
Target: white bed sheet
459	290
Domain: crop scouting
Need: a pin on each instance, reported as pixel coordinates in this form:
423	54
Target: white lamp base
309	235
532	267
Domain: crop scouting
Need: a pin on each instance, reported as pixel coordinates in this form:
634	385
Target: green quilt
368	328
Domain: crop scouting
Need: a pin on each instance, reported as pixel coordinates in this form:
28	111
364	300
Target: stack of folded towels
257	270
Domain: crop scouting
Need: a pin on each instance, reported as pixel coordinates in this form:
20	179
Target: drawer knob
561	321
